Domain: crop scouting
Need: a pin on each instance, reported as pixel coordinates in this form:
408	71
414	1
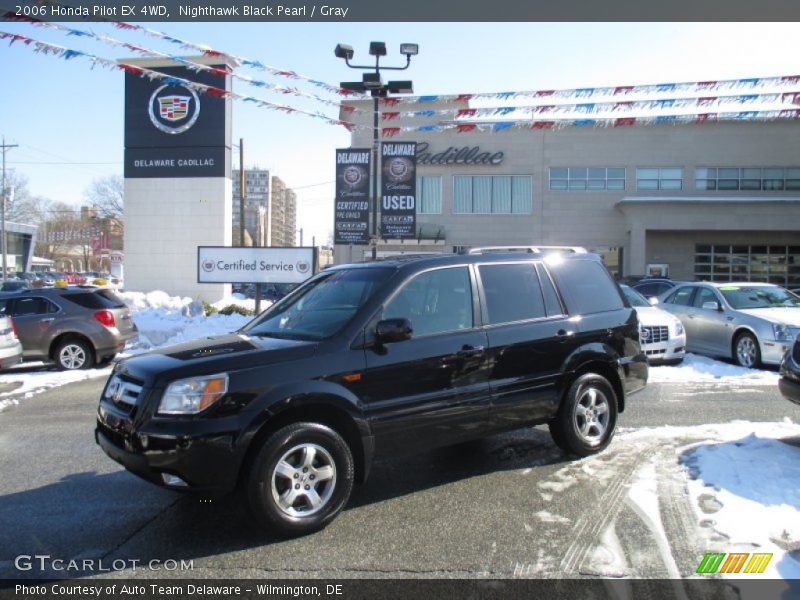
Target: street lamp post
373	83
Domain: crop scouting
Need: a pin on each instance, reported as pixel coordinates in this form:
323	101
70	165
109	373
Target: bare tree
107	194
23	207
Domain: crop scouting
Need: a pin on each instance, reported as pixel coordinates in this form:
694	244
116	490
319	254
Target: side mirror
711	305
653	300
393	330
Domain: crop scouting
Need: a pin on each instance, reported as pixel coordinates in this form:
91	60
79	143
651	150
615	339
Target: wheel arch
604	368
740	329
66	335
330	410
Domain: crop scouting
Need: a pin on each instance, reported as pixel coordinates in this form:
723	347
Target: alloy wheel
72	356
746	351
303	480
591	415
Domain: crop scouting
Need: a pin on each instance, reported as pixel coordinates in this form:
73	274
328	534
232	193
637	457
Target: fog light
173	480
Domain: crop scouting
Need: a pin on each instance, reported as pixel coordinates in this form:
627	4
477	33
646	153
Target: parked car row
76	327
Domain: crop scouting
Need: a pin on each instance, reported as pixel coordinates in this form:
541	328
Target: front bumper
671	350
772	352
207	461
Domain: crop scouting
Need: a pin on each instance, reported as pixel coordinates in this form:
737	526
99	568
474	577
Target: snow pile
163	320
754	481
701	369
34	382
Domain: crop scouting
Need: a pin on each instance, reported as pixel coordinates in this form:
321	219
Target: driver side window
434	302
704	295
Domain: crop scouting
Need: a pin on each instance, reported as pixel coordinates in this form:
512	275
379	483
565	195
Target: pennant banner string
697	87
194	66
68	54
208	51
792	97
555	124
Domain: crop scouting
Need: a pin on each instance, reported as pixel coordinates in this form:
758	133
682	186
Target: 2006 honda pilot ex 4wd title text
378	359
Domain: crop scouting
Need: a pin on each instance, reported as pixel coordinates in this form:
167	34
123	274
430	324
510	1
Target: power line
33	162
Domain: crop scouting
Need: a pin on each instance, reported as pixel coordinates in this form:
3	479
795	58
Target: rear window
95	299
588	285
513	292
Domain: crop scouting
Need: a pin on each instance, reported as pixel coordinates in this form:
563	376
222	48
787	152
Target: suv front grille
122	393
654	334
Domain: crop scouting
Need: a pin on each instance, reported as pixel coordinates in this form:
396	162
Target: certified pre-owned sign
219	264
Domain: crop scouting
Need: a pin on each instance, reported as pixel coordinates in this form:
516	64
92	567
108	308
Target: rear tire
587	417
301	479
73	354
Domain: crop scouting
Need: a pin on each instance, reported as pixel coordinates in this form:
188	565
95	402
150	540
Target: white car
661	334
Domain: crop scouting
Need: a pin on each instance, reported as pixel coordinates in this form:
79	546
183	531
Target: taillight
13	326
106	317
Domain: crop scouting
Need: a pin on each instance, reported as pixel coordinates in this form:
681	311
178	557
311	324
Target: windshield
740	297
322	307
634	297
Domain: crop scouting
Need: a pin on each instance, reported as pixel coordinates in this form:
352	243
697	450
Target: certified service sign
219	264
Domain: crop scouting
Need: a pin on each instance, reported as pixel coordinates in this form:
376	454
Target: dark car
789	383
76	327
15	285
379	359
652	287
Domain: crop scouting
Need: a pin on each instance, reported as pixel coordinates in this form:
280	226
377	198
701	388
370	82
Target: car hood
787	315
230	352
652	316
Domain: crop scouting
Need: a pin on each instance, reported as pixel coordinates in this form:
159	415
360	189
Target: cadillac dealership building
711	201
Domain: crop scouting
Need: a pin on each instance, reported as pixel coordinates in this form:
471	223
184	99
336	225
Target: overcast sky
68	118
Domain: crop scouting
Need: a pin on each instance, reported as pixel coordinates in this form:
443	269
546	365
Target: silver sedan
752	323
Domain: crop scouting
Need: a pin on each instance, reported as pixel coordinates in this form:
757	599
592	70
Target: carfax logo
734	562
208	265
173	109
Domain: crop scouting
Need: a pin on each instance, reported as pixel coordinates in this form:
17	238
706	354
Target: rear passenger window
32	306
589	286
513	292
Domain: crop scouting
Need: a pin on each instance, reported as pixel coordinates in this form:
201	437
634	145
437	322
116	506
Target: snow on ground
746	481
162	320
701	369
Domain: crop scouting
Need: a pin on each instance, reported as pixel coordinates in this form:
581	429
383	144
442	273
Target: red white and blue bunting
68	54
189	64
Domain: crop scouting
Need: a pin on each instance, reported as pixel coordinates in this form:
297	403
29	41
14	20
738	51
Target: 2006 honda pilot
375	359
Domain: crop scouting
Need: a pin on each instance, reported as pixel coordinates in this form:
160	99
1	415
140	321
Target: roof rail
529	249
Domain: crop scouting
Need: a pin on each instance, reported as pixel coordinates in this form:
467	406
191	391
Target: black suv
378	359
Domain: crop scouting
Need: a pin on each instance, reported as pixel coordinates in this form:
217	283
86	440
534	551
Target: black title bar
338	11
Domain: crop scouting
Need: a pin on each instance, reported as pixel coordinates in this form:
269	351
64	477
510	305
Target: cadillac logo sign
174	109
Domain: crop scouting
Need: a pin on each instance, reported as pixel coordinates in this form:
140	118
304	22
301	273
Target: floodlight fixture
377	48
409	49
344	51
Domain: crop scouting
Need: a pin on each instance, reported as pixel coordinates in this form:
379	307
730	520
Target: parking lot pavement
511	505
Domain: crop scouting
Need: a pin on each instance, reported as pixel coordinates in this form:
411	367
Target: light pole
373	83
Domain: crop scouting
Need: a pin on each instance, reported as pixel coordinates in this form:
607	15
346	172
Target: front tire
746	351
301	479
587	417
74	354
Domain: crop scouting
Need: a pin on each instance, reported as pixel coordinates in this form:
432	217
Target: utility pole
242	192
6	148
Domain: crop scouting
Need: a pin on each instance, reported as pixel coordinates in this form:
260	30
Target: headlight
782	333
193	395
678	327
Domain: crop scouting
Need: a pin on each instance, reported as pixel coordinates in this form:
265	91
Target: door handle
468	351
563	333
46	320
